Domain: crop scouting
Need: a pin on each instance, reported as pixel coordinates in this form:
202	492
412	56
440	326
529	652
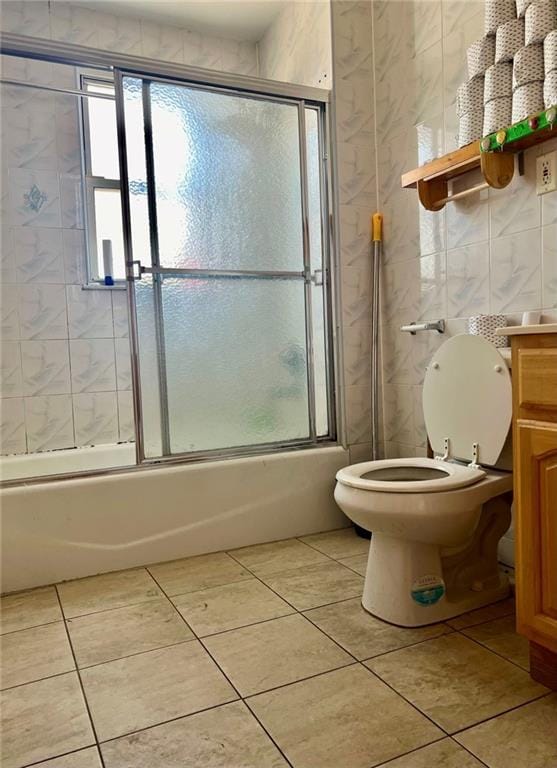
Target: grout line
199	639
454	734
62	754
487	648
78	673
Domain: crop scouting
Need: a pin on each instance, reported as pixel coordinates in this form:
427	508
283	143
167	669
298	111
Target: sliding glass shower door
224	206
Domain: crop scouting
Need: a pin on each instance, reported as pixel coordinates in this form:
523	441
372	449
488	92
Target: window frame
91	183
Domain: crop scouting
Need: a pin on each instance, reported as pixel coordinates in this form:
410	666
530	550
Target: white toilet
436	523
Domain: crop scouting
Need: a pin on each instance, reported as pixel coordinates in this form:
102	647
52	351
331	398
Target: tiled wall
296	48
355	149
494	252
65	370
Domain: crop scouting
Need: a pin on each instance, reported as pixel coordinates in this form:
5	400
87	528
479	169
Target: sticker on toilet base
427	590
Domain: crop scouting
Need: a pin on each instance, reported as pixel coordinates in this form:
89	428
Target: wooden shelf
493	155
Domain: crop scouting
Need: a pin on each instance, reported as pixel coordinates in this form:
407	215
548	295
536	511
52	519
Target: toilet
436	522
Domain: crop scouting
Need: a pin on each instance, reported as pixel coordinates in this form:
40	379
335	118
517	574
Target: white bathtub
70	528
69	460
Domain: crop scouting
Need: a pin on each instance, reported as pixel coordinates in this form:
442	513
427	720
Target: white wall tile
516	272
118	33
7	255
120	313
357	354
356	291
468	280
22	17
95	418
400	291
71	202
72	23
12	426
42	312
549	265
123	363
92	365
46	368
29	136
73	246
517	207
162	43
39	256
49	422
432	299
397	355
358	414
9	317
11	380
468	221
399	409
126	425
200	51
356	176
89	313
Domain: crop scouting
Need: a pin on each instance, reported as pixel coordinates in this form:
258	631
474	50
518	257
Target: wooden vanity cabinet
534	373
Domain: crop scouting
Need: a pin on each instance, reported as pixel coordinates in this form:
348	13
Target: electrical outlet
546	173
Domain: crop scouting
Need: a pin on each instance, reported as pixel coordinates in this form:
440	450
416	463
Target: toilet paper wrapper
497	114
540	19
480	55
509	38
497	12
550	89
486	325
550	52
470	96
498	81
528	65
470	127
527	100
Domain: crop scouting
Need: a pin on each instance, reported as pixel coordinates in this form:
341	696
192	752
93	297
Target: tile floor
261	657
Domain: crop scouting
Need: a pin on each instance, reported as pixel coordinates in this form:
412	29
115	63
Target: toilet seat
450	476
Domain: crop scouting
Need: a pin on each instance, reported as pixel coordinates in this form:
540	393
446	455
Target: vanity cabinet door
536	531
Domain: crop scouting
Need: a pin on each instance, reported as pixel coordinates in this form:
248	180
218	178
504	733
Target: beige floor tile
362	634
152	687
337	544
109	590
110	635
501	636
32	654
455	681
494	611
345	718
442	754
194	573
316	585
225	737
274	653
358	563
29	609
277	556
523	738
43	719
85	758
230	606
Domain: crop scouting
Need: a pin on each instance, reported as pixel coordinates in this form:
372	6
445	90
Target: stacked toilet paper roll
469	102
498	12
497	96
480	55
550	69
528	79
508	39
486	325
521	7
539	20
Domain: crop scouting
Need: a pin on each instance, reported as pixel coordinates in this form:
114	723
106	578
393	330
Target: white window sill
120	285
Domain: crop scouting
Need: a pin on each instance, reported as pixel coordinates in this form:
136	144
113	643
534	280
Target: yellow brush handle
377	227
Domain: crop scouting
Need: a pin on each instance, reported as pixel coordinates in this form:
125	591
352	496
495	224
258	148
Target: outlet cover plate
546	173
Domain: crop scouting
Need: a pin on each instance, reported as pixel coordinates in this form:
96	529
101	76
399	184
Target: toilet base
411	585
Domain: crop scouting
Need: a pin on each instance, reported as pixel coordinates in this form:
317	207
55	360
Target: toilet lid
467	398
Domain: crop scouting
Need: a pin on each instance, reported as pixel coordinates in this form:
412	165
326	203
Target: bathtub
66	461
70	528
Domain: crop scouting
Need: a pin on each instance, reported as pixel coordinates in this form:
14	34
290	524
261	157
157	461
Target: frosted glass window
227	173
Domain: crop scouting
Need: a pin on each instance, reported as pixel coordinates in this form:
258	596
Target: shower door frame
156	271
80	56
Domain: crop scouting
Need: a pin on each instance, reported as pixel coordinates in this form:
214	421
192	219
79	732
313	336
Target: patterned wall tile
49	422
161	42
516	272
11	379
126	425
93	365
39	256
12	426
432	299
468	280
549	265
46	368
123	363
9	316
89	313
34	198
95	418
42	312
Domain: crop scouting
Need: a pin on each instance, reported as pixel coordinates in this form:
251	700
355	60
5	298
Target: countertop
523	330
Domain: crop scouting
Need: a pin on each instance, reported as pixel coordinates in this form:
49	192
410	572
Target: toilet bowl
436	522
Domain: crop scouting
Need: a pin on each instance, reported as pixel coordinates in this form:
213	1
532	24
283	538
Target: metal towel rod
413	328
